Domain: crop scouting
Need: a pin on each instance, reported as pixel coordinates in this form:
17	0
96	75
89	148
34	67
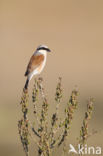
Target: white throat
44	52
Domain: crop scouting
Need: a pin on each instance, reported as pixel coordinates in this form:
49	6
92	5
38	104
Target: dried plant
84	134
48	137
23	123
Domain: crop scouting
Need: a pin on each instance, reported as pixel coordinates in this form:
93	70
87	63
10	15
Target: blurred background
73	30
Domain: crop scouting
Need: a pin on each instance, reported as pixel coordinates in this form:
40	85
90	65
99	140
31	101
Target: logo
85	149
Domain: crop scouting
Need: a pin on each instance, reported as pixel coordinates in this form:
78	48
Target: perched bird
36	63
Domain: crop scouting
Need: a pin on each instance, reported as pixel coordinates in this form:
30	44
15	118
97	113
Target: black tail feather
26	84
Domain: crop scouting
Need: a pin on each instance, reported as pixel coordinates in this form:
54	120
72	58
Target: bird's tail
26	84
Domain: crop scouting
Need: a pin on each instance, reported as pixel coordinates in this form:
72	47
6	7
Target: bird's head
43	48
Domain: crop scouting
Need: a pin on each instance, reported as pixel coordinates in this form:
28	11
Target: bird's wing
34	62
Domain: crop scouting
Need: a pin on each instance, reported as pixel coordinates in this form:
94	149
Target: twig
71	106
54	127
35	94
84	129
44	143
23	125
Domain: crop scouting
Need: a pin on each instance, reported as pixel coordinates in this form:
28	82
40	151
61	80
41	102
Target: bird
36	63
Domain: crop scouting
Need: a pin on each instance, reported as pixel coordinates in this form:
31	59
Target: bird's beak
49	50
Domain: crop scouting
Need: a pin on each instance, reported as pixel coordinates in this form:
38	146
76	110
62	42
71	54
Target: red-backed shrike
36	63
